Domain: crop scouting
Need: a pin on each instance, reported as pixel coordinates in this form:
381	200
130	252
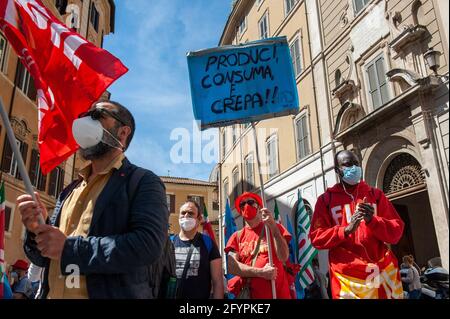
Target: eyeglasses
250	202
100	112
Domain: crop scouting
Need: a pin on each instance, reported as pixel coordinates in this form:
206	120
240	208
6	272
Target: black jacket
125	237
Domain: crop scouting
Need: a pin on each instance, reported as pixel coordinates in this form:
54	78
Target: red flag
2	239
70	73
207	227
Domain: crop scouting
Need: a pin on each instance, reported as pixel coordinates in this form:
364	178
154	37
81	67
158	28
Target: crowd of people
112	224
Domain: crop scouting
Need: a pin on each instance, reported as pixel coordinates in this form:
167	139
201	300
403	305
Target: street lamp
432	59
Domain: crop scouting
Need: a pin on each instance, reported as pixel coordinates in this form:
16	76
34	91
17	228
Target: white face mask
187	223
89	133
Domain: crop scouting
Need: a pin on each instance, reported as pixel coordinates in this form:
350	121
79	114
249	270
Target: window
38	180
243	25
61	5
358	5
301	128
224	141
226	187
3	52
289	5
264	27
200	200
94	17
25	82
296	56
234	131
337	77
249	172
9	162
170	203
56	182
8	213
378	85
236	184
272	156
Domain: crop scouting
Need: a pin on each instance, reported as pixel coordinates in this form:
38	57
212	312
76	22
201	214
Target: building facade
93	20
390	105
367	82
179	190
296	152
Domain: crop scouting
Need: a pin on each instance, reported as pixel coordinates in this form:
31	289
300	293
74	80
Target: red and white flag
70	73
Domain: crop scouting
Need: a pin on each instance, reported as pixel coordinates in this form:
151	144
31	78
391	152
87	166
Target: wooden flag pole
263	197
18	157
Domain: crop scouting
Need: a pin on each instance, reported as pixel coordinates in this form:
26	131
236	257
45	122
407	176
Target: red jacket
367	245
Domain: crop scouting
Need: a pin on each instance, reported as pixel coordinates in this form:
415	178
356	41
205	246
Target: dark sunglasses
99	113
250	202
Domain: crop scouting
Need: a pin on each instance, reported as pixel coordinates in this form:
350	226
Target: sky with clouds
152	39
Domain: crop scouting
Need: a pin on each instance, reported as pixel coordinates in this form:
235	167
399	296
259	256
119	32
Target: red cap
247	194
21	264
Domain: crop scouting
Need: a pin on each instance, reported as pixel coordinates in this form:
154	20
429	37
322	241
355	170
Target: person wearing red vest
355	222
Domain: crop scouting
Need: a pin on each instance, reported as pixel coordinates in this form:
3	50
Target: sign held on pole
242	84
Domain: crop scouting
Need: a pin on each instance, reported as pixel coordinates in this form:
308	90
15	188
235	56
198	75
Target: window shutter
24	153
172	204
202	205
7	218
32	92
381	74
53	181
7	156
42	182
34	168
373	86
60	182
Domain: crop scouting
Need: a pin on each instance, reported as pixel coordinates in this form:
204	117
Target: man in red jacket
355	222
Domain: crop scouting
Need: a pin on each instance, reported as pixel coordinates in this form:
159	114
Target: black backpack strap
187	264
134	181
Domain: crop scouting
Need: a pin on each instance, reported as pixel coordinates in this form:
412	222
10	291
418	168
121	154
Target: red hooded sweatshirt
350	255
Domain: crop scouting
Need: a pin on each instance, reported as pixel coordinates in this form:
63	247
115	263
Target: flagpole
266	229
18	157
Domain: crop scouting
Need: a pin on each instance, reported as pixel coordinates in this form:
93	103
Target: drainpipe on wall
327	88
316	104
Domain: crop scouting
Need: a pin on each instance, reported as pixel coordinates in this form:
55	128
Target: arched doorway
404	184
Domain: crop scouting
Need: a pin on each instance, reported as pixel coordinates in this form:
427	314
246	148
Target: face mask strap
110	134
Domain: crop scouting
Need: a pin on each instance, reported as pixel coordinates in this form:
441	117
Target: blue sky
152	39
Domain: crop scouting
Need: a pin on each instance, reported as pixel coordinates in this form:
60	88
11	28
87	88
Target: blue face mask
352	175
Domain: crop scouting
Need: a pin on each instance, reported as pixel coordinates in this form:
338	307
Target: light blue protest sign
241	84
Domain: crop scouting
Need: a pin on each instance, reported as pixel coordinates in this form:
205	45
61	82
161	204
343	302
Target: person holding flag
247	250
198	260
355	222
109	226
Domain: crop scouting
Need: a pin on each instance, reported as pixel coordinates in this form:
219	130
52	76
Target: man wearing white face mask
198	260
109	226
355	222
